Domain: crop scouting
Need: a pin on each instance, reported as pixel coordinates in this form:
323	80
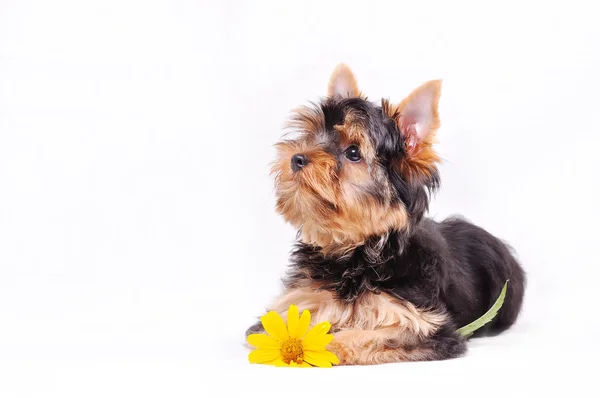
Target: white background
138	238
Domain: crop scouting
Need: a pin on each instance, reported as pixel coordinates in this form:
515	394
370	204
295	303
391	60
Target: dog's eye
352	153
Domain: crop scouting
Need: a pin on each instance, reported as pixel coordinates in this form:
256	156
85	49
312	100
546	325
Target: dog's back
479	266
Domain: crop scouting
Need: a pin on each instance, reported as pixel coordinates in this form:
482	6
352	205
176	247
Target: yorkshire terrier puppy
394	284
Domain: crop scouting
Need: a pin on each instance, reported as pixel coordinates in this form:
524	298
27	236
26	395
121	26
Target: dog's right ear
342	83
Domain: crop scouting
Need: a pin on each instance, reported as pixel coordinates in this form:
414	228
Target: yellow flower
294	345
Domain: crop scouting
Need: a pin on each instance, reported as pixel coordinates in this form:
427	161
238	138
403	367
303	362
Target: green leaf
469	329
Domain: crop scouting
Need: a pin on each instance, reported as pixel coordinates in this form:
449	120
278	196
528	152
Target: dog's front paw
345	354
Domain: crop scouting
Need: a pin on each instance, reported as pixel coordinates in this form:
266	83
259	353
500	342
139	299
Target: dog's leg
256	328
395	344
376	328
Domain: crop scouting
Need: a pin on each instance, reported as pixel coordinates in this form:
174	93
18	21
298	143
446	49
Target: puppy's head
357	169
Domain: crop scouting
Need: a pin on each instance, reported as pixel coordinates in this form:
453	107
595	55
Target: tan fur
353	132
307	120
329	208
376	328
387	345
421	158
352	226
343	73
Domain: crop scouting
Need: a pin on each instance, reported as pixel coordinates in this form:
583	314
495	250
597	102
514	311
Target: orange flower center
291	350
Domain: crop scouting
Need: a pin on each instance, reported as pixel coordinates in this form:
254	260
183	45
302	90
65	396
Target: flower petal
274	325
263	356
317	359
274	362
327	355
263	341
302	325
301	365
292	320
317	344
278	362
316	336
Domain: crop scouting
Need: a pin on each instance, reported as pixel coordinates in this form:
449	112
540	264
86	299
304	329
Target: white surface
137	233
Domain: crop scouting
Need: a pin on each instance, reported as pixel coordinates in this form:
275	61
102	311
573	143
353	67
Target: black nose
299	161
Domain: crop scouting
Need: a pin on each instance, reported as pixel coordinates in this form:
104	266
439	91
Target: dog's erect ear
418	112
418	119
342	83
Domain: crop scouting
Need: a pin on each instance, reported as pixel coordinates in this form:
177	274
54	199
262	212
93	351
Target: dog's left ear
418	113
418	120
342	83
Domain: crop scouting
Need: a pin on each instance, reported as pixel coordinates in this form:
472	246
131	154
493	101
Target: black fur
452	266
